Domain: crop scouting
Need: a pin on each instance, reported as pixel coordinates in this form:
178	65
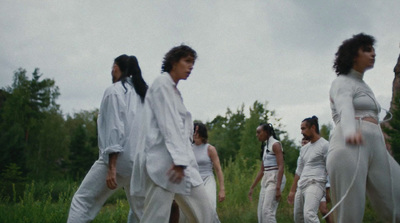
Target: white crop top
352	98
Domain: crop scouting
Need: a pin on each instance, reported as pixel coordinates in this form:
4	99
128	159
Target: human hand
111	178
250	194
221	195
176	174
278	194
290	198
355	139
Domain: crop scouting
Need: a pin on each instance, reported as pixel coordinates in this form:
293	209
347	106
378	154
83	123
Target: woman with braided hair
271	172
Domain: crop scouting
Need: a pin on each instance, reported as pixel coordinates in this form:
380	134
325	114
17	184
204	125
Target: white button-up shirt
165	139
115	122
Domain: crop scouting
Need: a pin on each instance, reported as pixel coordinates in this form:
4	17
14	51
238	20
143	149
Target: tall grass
43	202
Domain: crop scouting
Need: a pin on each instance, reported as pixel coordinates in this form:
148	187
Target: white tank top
269	158
203	160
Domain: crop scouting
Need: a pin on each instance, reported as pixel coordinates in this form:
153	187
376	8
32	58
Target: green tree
250	147
325	130
26	105
83	149
225	133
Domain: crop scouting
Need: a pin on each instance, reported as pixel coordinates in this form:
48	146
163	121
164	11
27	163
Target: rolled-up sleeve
110	125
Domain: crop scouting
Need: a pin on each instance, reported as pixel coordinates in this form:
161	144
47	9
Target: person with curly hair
358	162
165	167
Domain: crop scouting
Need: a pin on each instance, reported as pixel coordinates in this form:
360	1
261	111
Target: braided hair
267	127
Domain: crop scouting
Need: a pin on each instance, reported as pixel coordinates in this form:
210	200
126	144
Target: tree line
39	142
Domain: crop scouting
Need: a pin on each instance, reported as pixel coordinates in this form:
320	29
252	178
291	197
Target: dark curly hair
175	54
344	57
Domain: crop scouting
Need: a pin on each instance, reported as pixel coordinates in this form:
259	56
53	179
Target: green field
40	202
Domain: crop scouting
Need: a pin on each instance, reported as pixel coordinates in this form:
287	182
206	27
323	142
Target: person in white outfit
165	167
272	174
323	208
207	159
358	162
308	186
120	103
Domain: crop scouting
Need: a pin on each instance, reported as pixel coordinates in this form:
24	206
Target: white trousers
267	203
306	202
158	201
210	187
93	193
378	175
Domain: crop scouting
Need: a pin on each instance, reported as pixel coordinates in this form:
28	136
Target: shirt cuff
111	149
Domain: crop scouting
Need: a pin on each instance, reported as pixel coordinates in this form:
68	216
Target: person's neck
174	77
315	138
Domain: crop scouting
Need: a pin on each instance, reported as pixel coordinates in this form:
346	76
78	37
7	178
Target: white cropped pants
93	193
267	203
378	175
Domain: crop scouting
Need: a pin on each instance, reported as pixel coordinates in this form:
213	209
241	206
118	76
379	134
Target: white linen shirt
114	123
165	139
312	162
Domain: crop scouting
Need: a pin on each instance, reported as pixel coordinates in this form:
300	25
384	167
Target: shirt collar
170	78
355	74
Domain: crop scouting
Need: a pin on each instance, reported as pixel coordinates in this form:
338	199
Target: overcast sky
277	51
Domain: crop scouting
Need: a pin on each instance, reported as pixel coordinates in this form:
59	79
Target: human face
182	69
261	134
304	141
115	73
306	130
365	59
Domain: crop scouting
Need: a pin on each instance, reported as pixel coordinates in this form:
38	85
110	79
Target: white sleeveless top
269	158
203	160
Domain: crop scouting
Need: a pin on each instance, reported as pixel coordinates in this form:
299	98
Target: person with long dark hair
358	162
121	102
165	167
271	174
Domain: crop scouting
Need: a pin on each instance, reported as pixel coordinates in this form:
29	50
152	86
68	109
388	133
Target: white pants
267	203
378	175
306	202
158	201
210	187
93	193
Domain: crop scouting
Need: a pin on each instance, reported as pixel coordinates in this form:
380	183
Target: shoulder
162	79
211	148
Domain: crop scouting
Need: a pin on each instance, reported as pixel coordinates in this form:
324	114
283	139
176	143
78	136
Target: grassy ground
49	202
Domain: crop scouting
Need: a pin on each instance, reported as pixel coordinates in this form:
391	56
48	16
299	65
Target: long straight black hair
129	67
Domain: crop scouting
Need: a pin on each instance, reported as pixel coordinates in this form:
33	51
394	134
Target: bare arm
277	148
111	179
293	189
212	153
258	178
